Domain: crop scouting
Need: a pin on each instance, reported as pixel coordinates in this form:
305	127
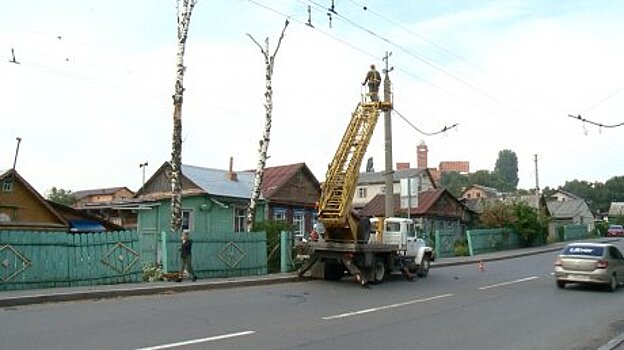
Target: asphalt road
511	304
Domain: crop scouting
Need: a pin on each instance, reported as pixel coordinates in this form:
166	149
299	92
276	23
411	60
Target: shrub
152	273
273	229
460	247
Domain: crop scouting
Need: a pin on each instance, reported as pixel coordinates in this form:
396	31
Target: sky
91	95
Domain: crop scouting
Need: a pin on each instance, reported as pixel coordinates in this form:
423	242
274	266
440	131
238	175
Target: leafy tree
454	182
497	215
507	169
61	196
530	225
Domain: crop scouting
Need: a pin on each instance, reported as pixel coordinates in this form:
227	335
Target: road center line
374	309
197	341
510	282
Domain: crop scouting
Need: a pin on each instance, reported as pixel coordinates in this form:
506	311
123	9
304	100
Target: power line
578	117
443	130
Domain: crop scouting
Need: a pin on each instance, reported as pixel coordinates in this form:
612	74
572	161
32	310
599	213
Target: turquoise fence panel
491	240
31	259
445	243
574	232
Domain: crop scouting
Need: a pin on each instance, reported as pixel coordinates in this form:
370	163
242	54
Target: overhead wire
443	130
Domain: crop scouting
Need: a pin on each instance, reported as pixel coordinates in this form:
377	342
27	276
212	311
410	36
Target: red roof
377	205
275	177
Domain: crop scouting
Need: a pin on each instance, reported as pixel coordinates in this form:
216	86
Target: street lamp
143	166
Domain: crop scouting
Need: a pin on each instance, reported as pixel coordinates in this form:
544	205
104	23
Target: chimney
231	175
402	166
421	155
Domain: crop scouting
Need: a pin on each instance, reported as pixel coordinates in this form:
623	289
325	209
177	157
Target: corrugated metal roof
276	177
216	181
565	209
379	177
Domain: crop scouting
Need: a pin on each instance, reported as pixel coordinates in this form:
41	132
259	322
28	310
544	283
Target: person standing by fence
186	257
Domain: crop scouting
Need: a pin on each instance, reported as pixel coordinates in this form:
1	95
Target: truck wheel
333	271
423	268
379	272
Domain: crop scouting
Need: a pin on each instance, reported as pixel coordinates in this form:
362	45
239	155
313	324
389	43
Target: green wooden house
214	208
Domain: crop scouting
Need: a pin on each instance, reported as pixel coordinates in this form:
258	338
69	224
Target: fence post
285	261
469	238
164	256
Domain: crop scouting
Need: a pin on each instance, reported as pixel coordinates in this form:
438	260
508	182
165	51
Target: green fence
491	240
32	259
444	244
222	254
573	232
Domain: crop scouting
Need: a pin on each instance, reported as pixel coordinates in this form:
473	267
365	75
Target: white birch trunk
185	8
263	150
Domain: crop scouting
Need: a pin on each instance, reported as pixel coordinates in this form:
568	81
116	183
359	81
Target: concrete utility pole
389	174
143	166
537	187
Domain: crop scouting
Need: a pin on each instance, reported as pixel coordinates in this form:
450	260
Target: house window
279	215
298	222
361	192
7	184
187	220
240	219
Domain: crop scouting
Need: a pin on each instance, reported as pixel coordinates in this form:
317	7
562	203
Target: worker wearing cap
373	78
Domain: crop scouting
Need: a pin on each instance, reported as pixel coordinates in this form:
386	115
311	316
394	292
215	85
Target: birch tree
185	8
269	63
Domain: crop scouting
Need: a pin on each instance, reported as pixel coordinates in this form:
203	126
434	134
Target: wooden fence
32	259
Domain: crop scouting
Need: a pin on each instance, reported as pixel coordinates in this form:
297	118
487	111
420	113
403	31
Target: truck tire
423	268
333	271
379	271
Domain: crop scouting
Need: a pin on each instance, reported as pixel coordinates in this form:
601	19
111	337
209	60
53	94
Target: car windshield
584	250
615	227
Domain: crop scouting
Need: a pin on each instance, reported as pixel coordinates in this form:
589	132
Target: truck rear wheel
379	271
333	271
423	268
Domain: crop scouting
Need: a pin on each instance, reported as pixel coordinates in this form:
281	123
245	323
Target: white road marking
510	282
196	341
374	309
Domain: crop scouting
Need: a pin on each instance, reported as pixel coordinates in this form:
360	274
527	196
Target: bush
273	229
152	273
460	247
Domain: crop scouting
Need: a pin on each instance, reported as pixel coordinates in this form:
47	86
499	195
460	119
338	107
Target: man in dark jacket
185	257
373	79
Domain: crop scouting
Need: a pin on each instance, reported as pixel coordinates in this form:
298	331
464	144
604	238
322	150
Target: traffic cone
481	266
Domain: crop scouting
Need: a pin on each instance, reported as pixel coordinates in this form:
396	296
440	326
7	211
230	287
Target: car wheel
613	283
561	284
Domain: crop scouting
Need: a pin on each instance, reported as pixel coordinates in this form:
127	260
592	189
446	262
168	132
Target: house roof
489	190
216	181
426	199
566	209
379	177
276	177
80	221
569	194
98	191
616	209
39	198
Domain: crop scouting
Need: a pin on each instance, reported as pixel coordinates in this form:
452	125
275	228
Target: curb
138	291
613	343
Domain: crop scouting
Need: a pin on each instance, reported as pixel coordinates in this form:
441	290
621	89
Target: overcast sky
91	97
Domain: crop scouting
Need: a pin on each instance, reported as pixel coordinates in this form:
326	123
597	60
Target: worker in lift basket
373	78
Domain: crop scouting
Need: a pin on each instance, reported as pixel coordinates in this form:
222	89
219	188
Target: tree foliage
507	169
522	218
61	196
598	195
